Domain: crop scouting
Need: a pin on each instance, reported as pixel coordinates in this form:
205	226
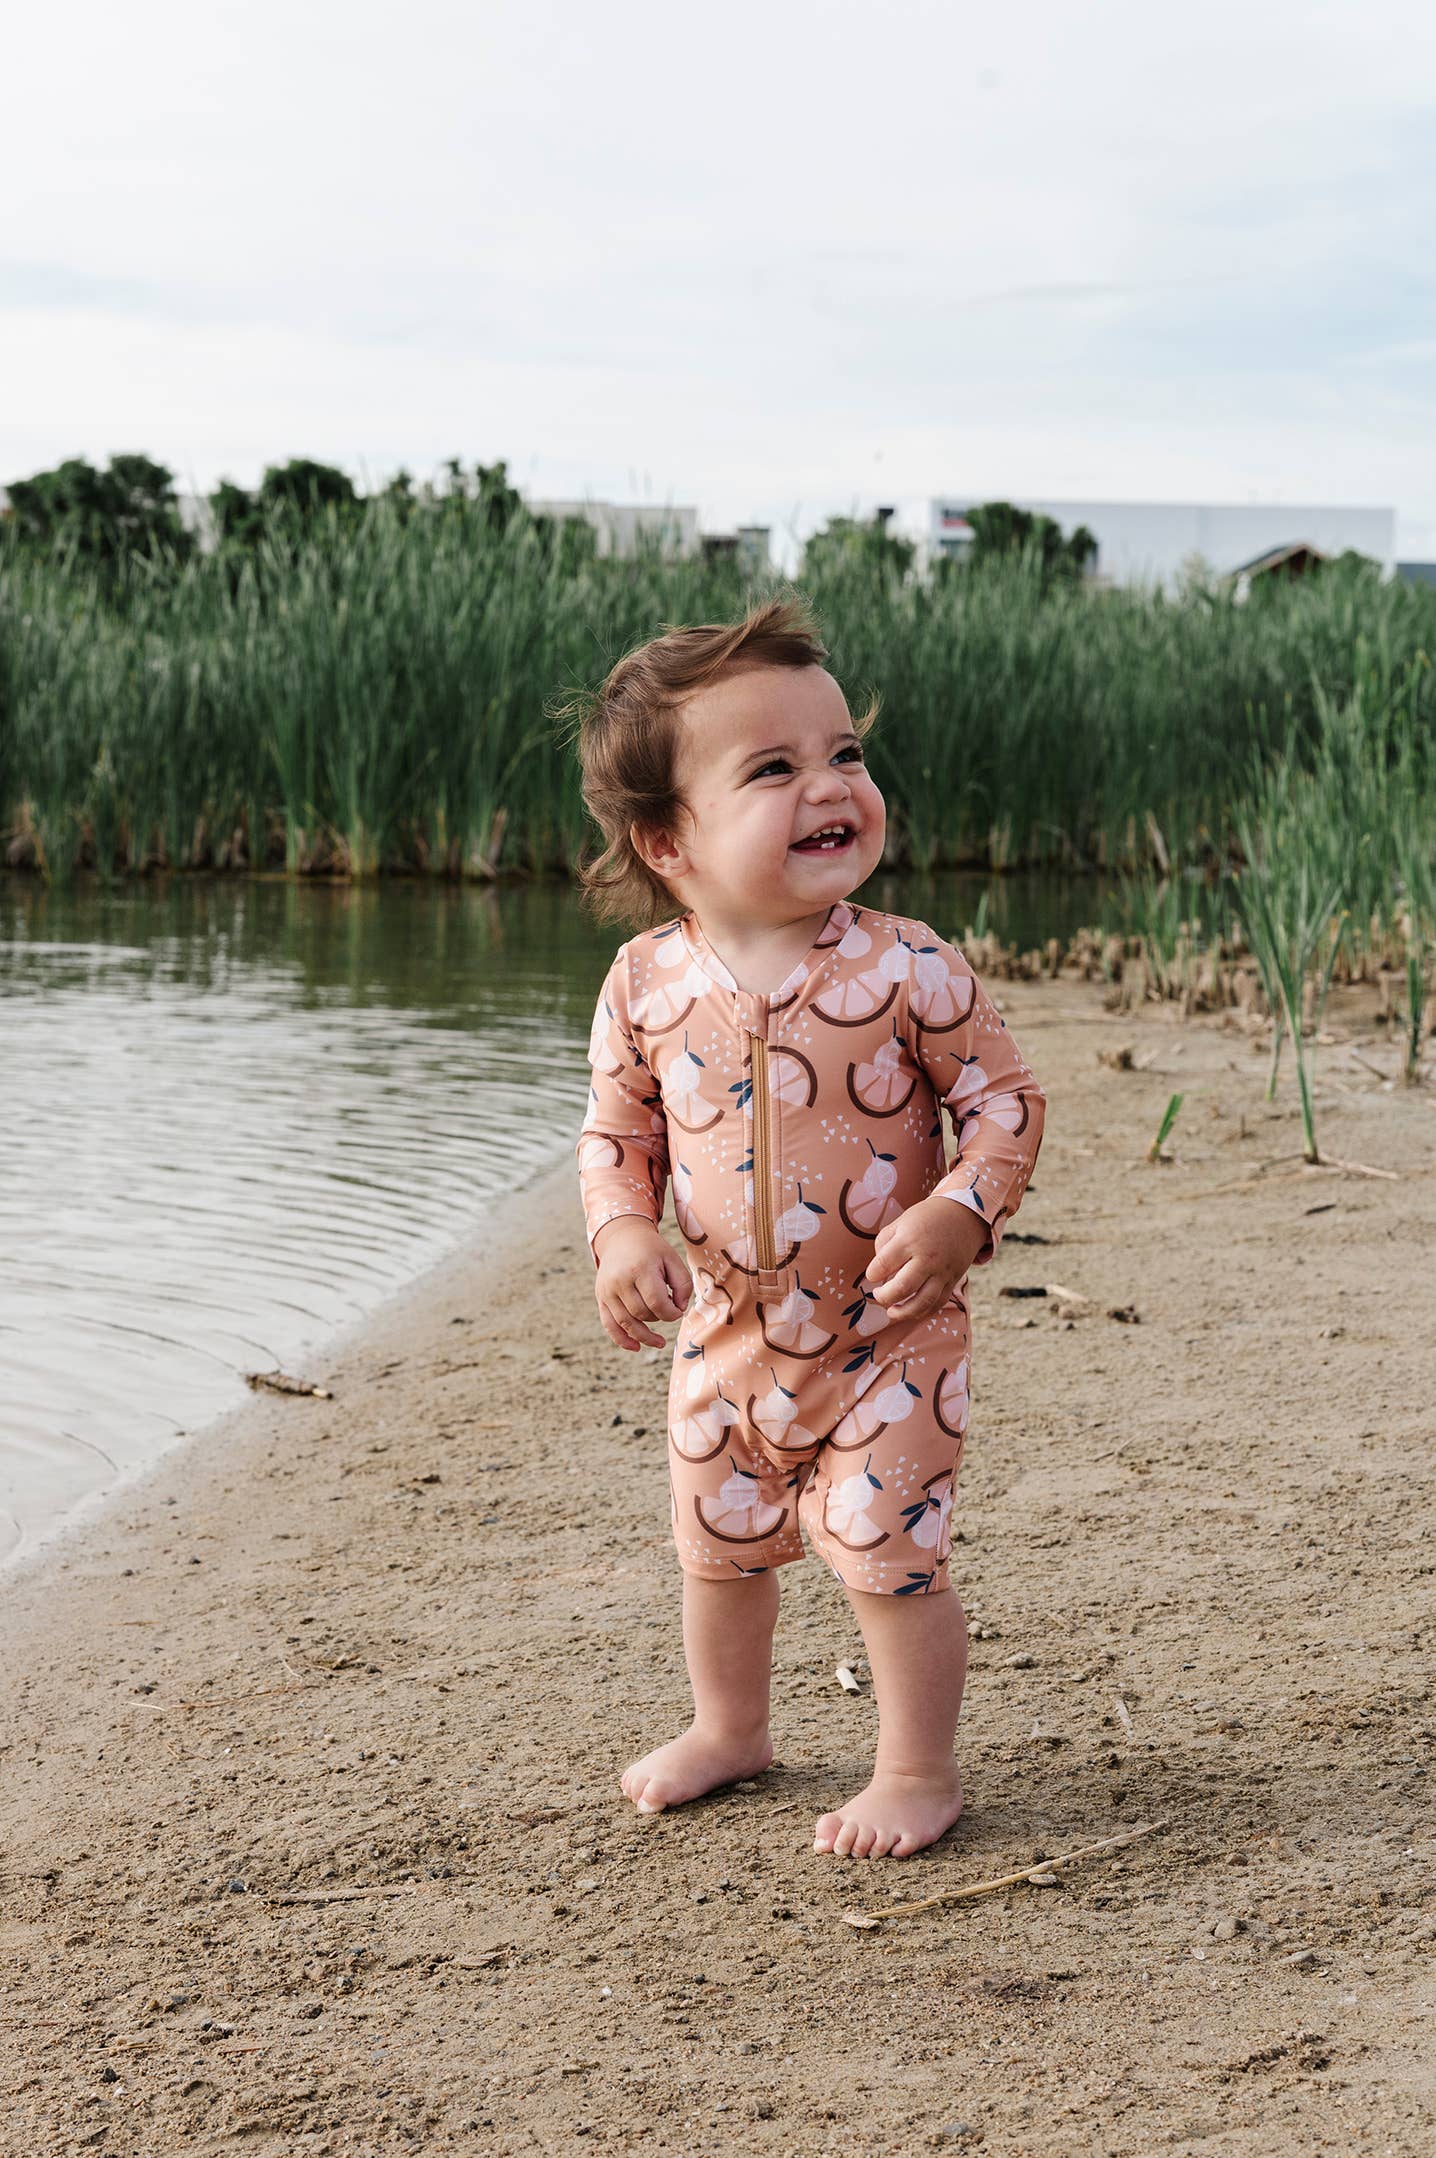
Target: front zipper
764	1233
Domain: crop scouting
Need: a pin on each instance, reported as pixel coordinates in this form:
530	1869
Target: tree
304	486
290	494
130	509
1000	529
852	543
485	490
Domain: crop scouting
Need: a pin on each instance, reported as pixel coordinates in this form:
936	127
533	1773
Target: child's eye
780	764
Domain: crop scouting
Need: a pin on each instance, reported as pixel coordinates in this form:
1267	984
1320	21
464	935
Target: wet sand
310	1836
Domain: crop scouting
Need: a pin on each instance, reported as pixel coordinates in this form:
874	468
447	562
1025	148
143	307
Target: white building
618	524
1152	542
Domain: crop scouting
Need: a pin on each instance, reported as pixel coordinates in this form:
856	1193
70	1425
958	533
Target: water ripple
234	1124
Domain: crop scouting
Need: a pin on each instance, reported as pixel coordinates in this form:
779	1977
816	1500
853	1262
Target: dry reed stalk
867	1919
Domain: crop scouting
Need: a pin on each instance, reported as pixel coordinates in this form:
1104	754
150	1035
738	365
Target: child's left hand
919	1258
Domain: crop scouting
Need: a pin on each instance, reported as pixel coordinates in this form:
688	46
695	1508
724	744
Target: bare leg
728	1643
917	1650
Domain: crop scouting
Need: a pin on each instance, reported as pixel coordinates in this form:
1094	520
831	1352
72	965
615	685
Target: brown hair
627	735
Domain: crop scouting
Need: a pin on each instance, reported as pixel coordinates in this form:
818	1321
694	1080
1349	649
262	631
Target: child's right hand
640	1277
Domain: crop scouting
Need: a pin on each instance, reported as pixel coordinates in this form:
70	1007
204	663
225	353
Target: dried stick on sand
1005	1880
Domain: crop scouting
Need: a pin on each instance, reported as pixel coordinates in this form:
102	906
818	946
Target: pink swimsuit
794	1125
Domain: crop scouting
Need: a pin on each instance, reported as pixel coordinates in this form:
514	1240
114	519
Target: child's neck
761	955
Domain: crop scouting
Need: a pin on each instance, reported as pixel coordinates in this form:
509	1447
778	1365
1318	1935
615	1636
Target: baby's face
766	759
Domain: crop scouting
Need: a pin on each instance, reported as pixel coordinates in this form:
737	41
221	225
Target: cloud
802	265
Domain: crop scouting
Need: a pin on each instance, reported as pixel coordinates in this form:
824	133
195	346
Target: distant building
1416	572
1155	542
618	524
749	545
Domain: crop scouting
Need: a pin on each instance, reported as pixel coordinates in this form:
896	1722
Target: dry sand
311	1838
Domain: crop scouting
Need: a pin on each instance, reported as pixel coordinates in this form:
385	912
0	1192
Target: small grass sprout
1164	1129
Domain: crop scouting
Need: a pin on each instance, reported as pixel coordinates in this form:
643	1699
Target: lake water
234	1116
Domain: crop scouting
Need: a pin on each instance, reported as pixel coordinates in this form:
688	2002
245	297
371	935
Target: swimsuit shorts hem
868	1577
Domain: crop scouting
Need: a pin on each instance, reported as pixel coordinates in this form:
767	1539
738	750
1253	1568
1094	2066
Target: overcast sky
775	260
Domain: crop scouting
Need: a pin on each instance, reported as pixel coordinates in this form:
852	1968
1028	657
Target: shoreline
186	1459
310	1824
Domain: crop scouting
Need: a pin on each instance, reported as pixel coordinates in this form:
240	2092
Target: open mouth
832	839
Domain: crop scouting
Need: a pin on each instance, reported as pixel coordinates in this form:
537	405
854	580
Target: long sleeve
623	1146
961	1042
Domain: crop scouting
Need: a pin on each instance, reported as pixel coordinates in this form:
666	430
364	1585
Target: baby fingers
909	1276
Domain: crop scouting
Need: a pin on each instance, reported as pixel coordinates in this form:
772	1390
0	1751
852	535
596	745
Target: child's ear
660	851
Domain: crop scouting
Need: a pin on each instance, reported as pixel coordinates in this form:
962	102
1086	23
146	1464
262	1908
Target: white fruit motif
668	1003
854	941
880	1086
868	1204
891	1404
788	1325
1007	1111
600	1055
739	1514
929	1530
775	1414
688	1105
939	999
967	1086
895	962
703	1434
792	1227
797	1223
683	1212
846	1515
597	1147
950	1400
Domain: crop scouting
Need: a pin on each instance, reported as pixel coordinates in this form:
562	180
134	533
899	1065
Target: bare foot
692	1764
895	1816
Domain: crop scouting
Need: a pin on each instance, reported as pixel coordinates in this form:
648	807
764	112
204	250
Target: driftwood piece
279	1382
867	1919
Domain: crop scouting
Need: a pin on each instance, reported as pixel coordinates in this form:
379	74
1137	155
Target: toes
864	1840
882	1843
906	1844
826	1831
846	1837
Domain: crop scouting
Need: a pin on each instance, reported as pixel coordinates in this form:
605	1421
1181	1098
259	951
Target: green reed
374	697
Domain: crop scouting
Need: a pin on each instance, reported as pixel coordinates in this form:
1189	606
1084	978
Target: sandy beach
311	1839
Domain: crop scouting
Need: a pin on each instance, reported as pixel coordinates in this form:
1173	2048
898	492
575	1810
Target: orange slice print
683	1213
775	1415
938	999
789	1326
600	1150
738	1514
792	1078
950	1400
879	1407
845	1513
870	1201
703	1434
880	1087
855	1001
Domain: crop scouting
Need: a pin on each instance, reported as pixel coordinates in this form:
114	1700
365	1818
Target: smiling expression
767	760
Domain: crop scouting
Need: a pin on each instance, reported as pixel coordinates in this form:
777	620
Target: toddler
781	1053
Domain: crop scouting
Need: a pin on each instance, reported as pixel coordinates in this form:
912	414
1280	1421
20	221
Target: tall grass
374	697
